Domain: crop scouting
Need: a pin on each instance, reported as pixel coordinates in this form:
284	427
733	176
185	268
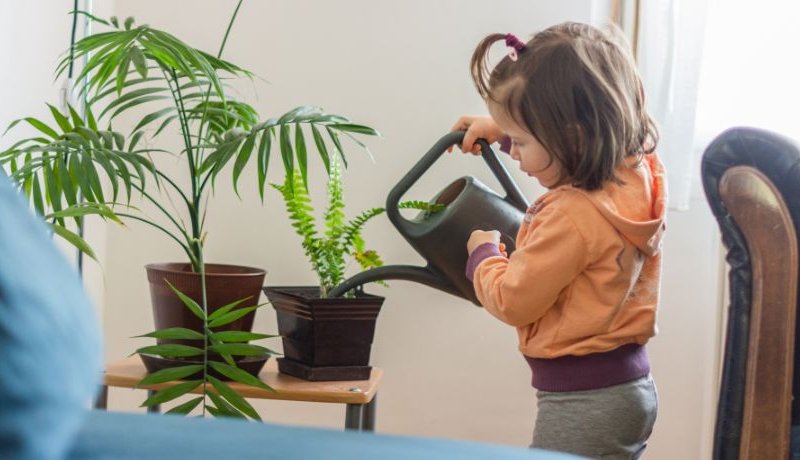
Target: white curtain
670	51
751	68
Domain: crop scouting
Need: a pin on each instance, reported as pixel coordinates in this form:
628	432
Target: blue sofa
50	369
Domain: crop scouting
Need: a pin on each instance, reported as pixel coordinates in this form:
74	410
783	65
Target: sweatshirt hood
636	207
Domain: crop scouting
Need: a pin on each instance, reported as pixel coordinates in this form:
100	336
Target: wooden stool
359	395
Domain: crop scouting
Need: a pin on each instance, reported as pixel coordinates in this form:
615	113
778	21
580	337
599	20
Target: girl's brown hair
577	90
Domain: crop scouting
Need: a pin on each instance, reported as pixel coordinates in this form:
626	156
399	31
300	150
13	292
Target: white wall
450	369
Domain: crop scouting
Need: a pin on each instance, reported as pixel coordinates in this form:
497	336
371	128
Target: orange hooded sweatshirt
585	276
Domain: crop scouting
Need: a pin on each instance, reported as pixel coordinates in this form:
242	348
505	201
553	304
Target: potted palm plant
78	165
170	87
328	338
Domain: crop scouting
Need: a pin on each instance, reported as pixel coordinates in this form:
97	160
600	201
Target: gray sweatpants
607	423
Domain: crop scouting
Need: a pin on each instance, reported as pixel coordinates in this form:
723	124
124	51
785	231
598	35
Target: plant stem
194	243
228	30
200	246
206	329
208	91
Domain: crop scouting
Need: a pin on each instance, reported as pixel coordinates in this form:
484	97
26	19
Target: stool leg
156	408
102	398
368	422
352	417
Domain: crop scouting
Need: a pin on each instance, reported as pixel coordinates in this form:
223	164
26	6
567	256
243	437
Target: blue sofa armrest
110	435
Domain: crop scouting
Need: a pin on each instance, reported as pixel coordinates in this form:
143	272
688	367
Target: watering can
441	237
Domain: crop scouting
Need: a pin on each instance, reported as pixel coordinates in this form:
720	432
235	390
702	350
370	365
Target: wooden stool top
126	373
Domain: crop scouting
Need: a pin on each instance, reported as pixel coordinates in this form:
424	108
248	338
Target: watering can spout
441	237
395	272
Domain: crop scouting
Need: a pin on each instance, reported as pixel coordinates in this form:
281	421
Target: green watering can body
441	237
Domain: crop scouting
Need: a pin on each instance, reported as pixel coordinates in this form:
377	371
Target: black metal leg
368	420
102	398
156	408
352	417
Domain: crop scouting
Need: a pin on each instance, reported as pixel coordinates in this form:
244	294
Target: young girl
583	285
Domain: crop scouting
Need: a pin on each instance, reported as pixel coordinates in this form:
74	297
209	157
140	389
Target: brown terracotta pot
224	284
324	339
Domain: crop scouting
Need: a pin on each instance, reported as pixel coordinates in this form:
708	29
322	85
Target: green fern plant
328	250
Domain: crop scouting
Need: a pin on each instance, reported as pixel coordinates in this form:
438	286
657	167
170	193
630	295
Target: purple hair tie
516	45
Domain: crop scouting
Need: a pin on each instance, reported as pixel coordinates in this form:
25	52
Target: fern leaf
334	215
297	202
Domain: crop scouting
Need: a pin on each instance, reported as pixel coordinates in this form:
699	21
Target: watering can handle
513	194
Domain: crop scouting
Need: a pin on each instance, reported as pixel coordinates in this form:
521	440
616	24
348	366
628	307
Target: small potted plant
328	338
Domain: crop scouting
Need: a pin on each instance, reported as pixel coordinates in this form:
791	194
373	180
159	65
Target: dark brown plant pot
250	364
224	284
324	339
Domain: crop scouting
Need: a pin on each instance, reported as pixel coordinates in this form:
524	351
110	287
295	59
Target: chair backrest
752	182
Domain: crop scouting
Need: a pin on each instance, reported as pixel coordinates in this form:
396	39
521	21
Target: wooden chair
752	182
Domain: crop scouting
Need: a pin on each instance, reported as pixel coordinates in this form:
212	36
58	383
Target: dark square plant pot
324	339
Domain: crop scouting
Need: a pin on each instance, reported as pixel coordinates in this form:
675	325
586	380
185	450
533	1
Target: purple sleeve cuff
505	144
480	253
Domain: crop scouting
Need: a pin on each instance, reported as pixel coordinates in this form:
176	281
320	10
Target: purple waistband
590	372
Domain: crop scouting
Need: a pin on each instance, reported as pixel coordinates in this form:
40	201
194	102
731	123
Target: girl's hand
479	237
477	127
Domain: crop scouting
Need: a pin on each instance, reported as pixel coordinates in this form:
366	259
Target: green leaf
286	150
170	350
225	309
175	333
62	121
85	209
321	148
36	191
168	394
170	374
139	61
239	336
236	374
76	119
338	144
302	156
240	349
231	316
263	160
234	398
41	127
241	160
122	72
186	407
353	128
74	239
149	118
225	409
134	103
190	304
92	17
